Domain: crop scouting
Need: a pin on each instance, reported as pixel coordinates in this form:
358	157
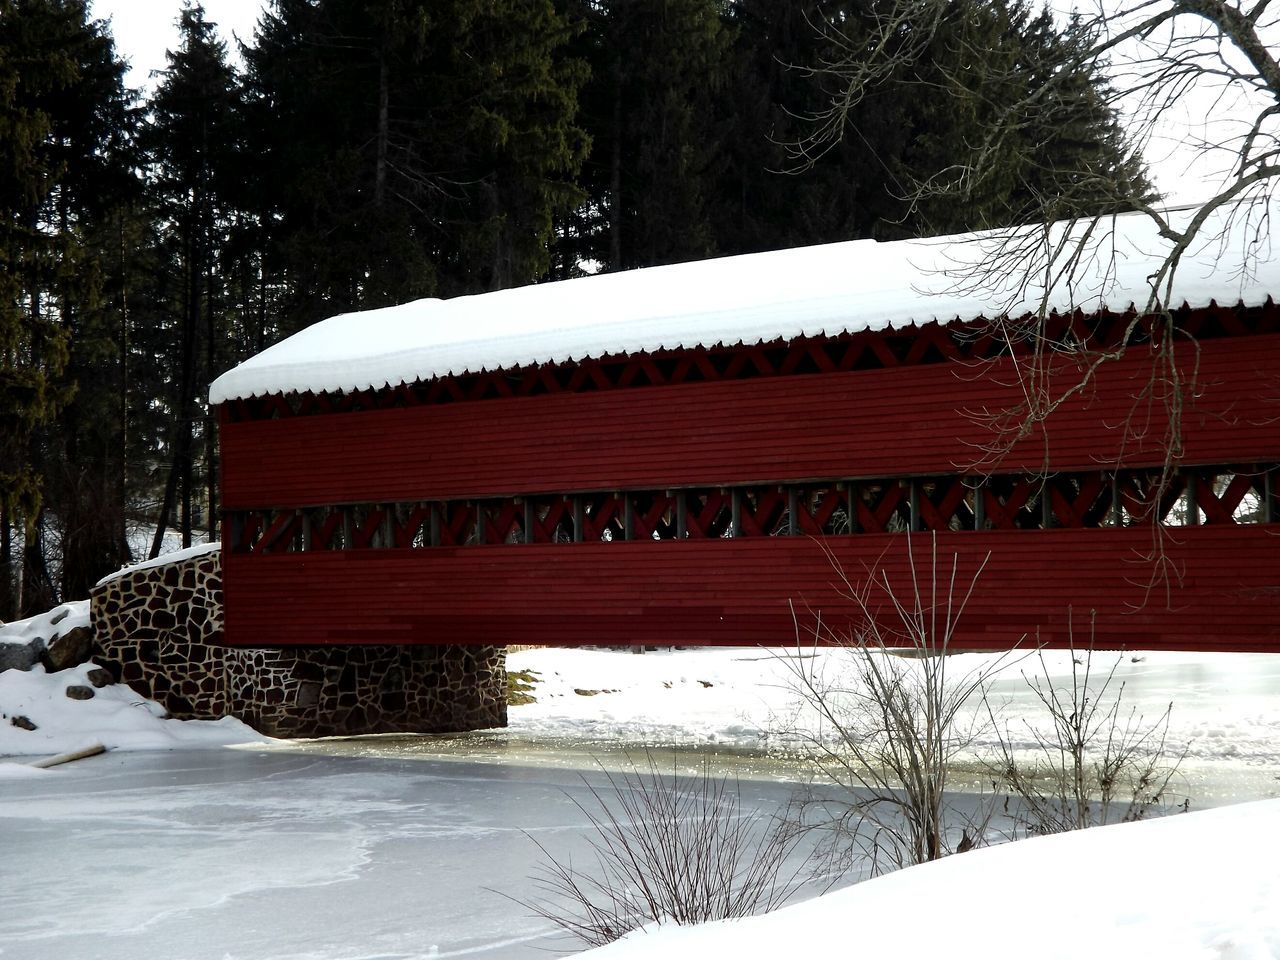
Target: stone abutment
159	629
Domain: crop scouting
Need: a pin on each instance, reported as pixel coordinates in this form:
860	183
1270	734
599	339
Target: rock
20	656
99	677
22	723
308	694
69	649
79	692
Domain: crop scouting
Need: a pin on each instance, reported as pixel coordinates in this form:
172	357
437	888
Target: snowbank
45	626
810	291
58	637
1201	885
114	716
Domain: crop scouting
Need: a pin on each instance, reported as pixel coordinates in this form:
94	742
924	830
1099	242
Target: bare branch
889	723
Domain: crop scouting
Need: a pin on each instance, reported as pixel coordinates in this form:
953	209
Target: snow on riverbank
1203	885
45	626
686	697
114	716
1226	707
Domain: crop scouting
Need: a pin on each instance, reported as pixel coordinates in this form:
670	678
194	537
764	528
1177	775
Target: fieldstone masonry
159	629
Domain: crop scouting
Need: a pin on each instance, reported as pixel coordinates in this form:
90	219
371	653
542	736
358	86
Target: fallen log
90	751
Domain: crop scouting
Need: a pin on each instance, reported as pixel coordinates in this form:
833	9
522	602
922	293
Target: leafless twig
666	848
890	728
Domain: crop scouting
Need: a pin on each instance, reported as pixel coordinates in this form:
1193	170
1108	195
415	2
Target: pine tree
922	124
409	148
83	468
654	108
190	141
62	126
759	205
917	125
32	347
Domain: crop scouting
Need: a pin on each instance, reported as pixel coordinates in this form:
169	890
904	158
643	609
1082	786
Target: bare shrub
667	848
891	726
1093	763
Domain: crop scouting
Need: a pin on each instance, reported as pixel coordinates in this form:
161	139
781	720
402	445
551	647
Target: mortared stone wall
159	629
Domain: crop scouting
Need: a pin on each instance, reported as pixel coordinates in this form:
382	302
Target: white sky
145	29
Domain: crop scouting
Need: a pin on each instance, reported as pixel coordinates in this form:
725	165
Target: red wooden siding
1227	596
873	423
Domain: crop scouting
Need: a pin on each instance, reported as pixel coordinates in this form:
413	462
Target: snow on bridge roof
808	291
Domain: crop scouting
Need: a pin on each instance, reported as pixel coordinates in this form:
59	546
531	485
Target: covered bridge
685	454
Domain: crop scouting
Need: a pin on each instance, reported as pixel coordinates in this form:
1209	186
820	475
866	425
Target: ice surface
245	855
809	291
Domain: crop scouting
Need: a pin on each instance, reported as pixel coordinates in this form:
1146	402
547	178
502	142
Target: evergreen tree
410	148
759	203
62	130
83	466
655	109
190	141
32	346
927	168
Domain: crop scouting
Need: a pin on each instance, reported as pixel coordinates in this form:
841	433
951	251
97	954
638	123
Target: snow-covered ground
1226	707
140	536
378	849
44	627
1225	716
113	716
1204	886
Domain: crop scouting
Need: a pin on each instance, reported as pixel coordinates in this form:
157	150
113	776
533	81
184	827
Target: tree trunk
178	485
166	508
37	593
191	319
210	421
8	604
260	342
615	175
122	530
380	172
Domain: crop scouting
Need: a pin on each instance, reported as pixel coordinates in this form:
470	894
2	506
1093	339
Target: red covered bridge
674	455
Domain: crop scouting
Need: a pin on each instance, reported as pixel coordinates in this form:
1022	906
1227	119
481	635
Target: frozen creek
251	854
383	848
391	848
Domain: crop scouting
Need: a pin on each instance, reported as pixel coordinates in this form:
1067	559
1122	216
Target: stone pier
158	628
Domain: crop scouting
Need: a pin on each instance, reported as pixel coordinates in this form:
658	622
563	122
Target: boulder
22	723
68	649
80	692
20	656
99	677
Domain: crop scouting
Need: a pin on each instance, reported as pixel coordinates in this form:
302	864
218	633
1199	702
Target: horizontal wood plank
1226	595
873	423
